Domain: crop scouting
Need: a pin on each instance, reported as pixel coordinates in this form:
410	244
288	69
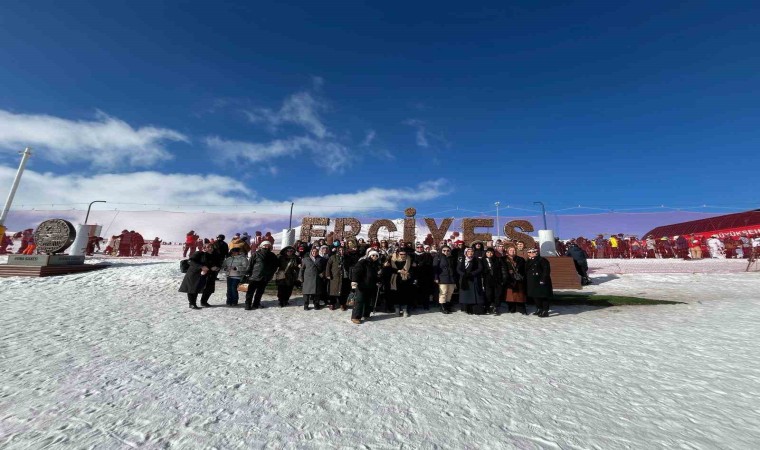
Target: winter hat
220	237
372	252
265	244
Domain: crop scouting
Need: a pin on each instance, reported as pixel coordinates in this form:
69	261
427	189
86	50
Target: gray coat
312	275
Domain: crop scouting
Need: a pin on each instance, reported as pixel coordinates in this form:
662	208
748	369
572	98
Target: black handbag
184	265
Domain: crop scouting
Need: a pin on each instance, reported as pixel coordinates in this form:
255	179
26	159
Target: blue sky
383	104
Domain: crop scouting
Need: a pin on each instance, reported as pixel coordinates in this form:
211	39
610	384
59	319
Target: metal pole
543	209
88	209
25	156
290	225
498	231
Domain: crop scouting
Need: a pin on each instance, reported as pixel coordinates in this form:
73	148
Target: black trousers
514	307
284	292
192	298
491	296
364	302
582	269
255	292
542	303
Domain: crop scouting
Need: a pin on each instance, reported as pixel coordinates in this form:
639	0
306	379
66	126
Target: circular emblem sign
54	236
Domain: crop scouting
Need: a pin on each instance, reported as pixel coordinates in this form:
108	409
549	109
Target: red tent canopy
723	226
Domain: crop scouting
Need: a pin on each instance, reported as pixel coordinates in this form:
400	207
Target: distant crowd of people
394	277
692	246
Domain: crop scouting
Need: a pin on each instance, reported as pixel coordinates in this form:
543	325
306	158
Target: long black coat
538	274
194	282
469	281
492	275
367	274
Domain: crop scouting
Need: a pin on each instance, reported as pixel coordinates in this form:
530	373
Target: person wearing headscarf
515	294
312	278
286	275
469	270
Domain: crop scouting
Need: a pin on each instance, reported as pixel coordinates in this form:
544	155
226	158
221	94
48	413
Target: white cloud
368	138
301	108
330	155
228	204
106	142
420	133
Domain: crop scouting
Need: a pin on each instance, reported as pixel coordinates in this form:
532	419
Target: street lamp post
24	157
543	210
290	225
498	230
88	209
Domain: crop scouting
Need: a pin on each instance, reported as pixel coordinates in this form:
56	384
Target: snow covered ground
115	359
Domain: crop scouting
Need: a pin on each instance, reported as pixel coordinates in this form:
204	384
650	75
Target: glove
354	285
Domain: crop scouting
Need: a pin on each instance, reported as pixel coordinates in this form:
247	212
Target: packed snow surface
115	359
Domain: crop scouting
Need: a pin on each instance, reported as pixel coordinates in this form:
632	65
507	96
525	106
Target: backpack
184	265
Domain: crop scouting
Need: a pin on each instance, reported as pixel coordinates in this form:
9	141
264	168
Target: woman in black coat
538	274
493	279
469	269
196	278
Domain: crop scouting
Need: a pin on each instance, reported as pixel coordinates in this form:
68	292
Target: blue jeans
232	292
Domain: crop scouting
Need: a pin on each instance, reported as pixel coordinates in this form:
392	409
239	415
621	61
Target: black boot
444	308
193	306
306	302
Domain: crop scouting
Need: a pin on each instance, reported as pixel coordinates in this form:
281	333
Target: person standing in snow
235	265
156	245
261	269
469	269
194	282
538	273
580	260
286	275
312	278
444	270
365	280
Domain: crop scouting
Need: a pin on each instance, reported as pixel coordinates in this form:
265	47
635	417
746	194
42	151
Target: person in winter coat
478	250
515	292
156	246
5	242
138	242
365	280
261	269
538	274
424	276
125	243
445	273
240	243
580	260
194	282
190	243
221	247
287	274
235	265
401	281
312	278
493	280
338	278
469	269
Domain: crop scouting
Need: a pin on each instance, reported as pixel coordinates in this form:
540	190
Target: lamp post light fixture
498	230
88	209
543	210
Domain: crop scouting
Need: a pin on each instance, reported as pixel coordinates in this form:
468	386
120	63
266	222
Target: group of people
128	243
193	242
393	277
687	246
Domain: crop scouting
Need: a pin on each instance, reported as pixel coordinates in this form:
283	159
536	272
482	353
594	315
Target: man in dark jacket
221	247
365	279
538	274
262	267
580	260
444	272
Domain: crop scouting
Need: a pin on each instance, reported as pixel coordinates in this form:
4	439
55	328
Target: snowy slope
115	359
